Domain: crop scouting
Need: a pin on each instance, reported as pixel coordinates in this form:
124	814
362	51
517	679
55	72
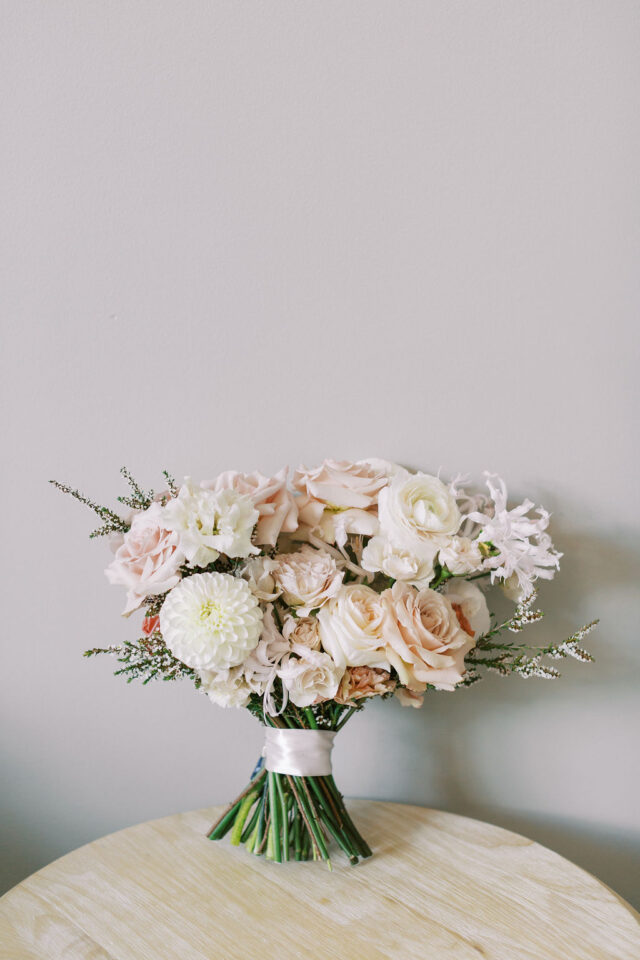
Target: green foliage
112	522
147	659
138	499
506	657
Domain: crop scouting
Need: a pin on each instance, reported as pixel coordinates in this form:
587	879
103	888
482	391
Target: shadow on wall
598	577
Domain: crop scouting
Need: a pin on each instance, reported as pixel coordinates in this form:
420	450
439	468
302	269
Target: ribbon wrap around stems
301	753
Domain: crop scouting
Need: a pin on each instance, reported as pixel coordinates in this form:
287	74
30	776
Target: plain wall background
243	234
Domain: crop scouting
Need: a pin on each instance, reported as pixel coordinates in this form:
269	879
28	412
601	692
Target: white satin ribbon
302	753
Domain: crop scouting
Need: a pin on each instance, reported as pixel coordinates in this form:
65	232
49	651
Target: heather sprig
112	522
146	659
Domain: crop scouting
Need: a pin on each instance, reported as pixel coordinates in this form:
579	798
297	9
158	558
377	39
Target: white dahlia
211	621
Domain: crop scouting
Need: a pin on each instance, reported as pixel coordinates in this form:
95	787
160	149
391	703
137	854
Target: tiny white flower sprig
523	659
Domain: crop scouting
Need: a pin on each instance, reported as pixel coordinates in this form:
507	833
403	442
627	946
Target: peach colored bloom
149	625
302	631
338	498
359	682
426	643
148	560
271	497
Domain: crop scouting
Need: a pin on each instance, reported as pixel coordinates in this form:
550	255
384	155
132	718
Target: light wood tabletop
438	886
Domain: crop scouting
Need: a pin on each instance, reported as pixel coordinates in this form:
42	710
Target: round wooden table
438	886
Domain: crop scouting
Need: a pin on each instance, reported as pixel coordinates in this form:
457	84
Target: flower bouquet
303	599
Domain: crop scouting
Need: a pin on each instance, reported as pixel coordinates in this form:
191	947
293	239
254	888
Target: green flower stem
251	823
274	807
241	816
312	816
284	818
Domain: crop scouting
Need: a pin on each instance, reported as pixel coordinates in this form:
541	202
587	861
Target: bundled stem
286	817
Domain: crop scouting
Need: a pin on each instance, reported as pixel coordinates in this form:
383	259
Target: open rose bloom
304	597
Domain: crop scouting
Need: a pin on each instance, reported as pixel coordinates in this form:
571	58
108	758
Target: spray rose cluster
336	584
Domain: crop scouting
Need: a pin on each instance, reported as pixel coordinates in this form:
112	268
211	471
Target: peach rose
271	497
359	682
148	560
338	498
426	644
302	631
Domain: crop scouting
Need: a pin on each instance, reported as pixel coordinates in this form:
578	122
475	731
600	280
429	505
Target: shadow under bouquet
301	599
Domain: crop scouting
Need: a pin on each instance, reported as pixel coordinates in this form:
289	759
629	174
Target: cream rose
352	627
339	498
210	523
309	677
148	559
414	566
414	509
470	606
306	579
460	555
275	503
426	645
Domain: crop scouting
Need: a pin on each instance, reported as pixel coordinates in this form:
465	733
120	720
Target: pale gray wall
241	234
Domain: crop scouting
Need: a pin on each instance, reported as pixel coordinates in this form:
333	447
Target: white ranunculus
211	621
469	601
148	559
210	523
414	509
415	566
227	688
306	579
310	677
352	627
460	555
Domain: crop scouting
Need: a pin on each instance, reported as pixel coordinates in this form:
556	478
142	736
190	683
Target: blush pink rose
147	561
271	497
338	498
426	642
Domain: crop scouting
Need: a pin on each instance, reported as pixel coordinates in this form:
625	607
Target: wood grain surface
439	886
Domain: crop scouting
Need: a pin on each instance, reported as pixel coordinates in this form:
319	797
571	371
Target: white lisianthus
415	566
211	621
352	626
227	688
310	677
210	523
460	555
414	509
470	606
306	579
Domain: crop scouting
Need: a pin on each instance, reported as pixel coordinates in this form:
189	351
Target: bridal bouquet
301	599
